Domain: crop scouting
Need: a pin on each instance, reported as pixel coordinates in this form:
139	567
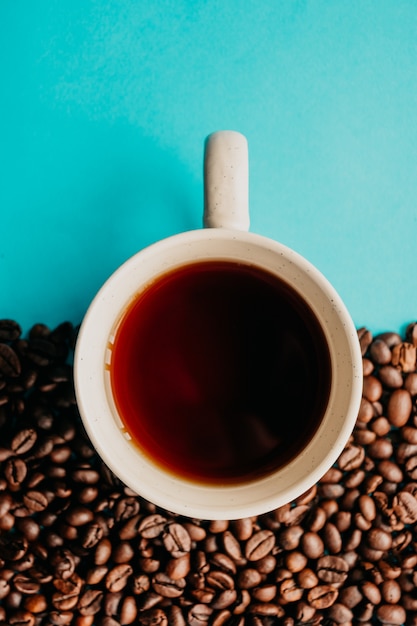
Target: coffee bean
152	526
295	561
289	538
366	411
219	580
332	569
23	441
90	601
322	596
264	593
399	407
380	426
25	584
117	577
9	361
332	538
176	540
380	352
390	471
391	614
372	388
22	618
350	596
79	515
312	545
140	583
196	531
340	614
259	545
199	615
35	501
411	467
379	539
307	578
167	587
365	339
232	546
381	448
10	330
249	578
410	383
391	377
404	356
15	471
290	590
176	616
351	458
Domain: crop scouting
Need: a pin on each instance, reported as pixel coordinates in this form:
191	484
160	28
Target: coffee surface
220	371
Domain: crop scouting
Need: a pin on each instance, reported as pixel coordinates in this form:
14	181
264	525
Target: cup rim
218	501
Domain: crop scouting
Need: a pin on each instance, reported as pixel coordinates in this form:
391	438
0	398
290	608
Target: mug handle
226	181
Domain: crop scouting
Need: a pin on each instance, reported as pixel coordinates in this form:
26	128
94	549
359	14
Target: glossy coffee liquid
220	372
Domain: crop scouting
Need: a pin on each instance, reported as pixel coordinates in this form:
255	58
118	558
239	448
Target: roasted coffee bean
10	365
259	545
35	501
322	596
232	547
79	516
380	352
399	407
117	577
332	569
312	545
176	539
404	356
365	339
152	526
405	507
178	568
372	388
199	615
332	538
90	602
265	593
219	580
10	330
392	614
410	383
351	458
289	538
23	441
166	587
295	561
411	467
307	578
391	377
249	578
243	528
290	590
15	471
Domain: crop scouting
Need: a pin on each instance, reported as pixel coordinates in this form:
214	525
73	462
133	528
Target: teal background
105	106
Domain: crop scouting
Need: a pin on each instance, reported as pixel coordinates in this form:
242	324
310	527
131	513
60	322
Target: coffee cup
217	372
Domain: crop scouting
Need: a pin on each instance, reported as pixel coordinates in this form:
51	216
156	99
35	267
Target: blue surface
105	106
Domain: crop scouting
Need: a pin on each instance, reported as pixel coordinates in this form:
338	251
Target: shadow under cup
209	384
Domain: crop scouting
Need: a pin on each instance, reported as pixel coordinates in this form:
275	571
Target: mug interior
105	428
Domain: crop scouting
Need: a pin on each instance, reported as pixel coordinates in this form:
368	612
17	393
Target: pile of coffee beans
78	547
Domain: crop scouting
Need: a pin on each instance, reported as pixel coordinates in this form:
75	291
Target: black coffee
220	372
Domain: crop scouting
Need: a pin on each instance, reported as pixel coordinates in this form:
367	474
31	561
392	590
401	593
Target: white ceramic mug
225	236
